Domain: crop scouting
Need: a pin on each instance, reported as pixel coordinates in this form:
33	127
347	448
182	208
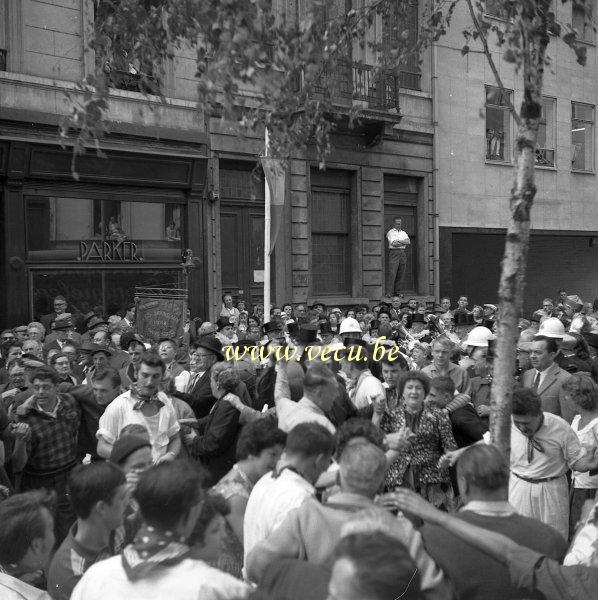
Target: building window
582	137
114	58
330	233
90	229
582	15
545	144
111	289
498	124
400	29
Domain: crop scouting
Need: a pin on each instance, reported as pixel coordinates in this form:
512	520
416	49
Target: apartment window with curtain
546	142
582	16
582	137
498	124
331	233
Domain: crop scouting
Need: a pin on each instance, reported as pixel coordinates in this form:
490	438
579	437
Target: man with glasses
204	353
60	306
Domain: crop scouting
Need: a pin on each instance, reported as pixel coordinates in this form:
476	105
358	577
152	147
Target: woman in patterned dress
258	449
427	435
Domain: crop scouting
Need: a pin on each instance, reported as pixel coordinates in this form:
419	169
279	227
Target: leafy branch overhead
257	65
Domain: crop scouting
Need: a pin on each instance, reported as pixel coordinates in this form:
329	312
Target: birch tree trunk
533	41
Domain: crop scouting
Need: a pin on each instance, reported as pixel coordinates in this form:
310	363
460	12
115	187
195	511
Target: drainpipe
435	216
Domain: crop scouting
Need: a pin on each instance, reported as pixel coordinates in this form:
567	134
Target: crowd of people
322	453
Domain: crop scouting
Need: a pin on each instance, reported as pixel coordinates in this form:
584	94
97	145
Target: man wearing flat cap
62	331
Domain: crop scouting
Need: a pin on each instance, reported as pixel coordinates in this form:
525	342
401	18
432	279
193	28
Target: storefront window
111	289
94	230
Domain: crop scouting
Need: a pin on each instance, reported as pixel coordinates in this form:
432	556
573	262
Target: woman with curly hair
426	436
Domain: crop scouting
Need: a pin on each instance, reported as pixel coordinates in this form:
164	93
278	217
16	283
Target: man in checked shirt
47	455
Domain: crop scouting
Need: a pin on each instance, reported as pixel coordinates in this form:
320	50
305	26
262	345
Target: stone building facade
175	178
474	157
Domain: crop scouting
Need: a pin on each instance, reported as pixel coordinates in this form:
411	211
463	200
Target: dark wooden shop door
242	252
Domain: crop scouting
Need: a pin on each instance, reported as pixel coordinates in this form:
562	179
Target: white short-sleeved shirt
588	437
395	235
188	580
366	386
269	503
291	413
120	412
560	444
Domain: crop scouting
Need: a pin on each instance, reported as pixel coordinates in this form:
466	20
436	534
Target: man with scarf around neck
157	564
543	448
146	405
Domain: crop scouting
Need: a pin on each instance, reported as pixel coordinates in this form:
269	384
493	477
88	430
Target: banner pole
267	224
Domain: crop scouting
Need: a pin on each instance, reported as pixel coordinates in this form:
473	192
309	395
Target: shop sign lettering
109	251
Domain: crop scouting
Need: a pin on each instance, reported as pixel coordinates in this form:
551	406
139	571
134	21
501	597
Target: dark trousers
578	498
64	516
397	265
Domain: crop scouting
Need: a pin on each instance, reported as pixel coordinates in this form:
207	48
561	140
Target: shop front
126	222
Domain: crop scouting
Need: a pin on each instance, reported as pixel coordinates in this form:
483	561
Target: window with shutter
331	233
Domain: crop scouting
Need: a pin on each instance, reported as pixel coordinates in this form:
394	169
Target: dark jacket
91	412
217	441
468	428
475	575
200	398
572	364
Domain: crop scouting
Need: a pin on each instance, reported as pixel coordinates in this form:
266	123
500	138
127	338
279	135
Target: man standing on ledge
398	241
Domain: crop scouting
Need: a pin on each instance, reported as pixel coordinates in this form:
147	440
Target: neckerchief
139	401
152	548
533	443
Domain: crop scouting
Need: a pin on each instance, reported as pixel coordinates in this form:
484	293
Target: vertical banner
275	173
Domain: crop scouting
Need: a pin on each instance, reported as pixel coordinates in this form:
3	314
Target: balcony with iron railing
377	88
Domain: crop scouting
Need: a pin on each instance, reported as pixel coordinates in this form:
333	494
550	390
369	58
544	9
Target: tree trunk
533	26
512	279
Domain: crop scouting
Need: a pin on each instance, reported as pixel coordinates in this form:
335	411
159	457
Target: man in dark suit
205	352
60	308
216	443
546	378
